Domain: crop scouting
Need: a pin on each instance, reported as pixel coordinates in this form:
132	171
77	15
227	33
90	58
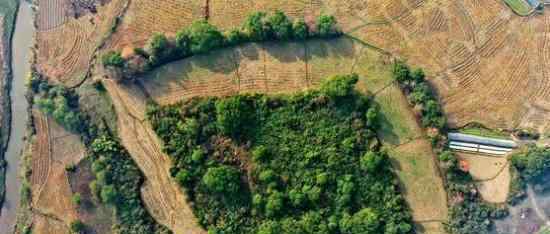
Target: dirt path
540	213
164	199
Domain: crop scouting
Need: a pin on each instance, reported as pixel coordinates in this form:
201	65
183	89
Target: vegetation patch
467	212
520	7
480	130
118	182
529	167
302	163
117	178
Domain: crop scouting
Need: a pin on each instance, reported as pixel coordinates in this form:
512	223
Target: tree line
468	213
202	37
419	93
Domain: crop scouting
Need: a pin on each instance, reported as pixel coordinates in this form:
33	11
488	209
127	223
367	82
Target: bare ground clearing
492	175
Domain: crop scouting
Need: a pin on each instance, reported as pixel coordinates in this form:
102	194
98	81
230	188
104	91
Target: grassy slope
485	132
519	6
410	151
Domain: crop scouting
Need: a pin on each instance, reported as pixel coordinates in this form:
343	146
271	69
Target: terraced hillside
488	64
66	45
259	68
53	150
476	52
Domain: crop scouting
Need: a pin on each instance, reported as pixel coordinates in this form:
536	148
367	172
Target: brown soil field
53	149
487	64
66	45
43	224
492	175
164	199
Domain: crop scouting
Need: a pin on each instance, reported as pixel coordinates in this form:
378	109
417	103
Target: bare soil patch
492	174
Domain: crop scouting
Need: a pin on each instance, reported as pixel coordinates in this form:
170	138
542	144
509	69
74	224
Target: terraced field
487	63
476	52
164	199
66	45
53	149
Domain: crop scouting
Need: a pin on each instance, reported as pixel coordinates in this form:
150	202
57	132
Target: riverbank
8	14
19	54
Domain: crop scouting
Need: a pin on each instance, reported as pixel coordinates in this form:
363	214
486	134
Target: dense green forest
303	163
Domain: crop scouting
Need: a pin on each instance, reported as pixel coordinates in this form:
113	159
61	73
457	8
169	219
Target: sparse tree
113	59
326	26
204	37
281	25
300	30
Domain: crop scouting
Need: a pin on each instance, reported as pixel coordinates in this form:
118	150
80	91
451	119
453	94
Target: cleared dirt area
421	184
53	150
492	175
66	45
164	199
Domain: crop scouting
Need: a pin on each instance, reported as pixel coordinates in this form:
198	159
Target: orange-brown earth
53	149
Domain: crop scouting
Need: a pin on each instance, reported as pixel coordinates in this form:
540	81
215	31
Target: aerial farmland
275	116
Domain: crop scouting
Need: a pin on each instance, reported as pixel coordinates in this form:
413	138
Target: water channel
21	44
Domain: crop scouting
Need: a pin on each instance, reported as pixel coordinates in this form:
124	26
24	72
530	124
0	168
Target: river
21	44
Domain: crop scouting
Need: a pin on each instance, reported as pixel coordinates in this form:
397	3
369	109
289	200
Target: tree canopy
302	163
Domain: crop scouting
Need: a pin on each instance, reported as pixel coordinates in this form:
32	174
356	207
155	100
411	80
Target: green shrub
256	27
300	30
77	226
76	199
326	26
222	179
204	37
113	59
281	26
339	86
